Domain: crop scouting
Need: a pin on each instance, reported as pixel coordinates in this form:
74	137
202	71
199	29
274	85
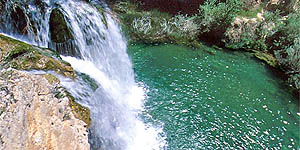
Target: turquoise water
226	100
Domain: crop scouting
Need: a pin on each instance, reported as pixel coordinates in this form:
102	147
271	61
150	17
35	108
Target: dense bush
215	14
289	43
253	33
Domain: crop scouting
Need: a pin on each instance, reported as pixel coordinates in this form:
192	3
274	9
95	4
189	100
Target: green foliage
289	58
254	33
292	28
154	26
289	44
214	14
157	27
252	12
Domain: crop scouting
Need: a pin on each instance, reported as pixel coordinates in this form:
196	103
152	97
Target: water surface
227	100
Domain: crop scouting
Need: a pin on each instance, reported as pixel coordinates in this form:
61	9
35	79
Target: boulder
22	56
33	118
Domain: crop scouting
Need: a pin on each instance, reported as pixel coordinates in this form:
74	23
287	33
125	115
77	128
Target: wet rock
60	32
61	37
19	20
32	118
266	57
23	56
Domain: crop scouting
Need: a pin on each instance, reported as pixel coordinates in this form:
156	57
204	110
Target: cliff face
32	118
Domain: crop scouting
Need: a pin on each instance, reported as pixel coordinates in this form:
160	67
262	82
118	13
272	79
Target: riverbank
263	29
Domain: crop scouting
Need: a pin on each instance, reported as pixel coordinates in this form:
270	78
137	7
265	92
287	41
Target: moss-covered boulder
79	111
19	20
22	56
60	33
29	111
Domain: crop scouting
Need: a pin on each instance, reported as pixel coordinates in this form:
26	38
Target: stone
267	57
60	33
22	56
32	118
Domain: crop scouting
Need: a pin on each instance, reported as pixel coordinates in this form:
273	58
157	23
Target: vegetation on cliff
156	27
274	33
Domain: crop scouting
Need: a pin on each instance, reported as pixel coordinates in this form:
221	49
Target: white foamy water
118	101
118	125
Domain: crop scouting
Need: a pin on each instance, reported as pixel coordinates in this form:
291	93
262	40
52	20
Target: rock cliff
32	118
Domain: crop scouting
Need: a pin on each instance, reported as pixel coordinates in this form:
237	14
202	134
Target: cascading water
117	103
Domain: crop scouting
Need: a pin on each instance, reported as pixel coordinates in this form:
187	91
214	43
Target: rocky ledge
33	118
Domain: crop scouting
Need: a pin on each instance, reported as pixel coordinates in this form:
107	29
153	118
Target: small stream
227	100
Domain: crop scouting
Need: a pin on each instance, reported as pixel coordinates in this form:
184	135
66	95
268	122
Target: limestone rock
33	118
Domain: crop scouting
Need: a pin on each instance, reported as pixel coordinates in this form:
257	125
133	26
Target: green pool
217	100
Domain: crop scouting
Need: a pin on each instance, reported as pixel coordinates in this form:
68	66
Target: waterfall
100	53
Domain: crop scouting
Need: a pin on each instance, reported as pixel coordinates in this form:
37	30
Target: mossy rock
60	33
87	79
22	56
80	112
51	78
266	57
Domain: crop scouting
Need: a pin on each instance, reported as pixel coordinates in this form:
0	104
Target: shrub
254	33
289	54
157	27
289	59
186	26
214	14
